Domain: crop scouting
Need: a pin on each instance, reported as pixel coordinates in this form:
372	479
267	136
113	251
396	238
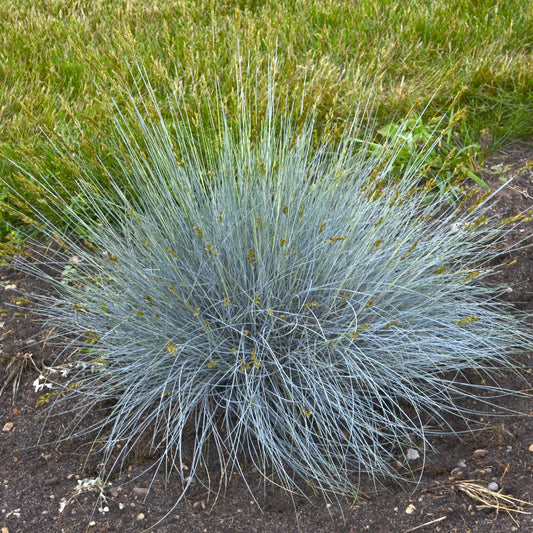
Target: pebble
493	486
461	464
140	491
8	426
140	516
412	454
530	448
480	453
410	509
5	530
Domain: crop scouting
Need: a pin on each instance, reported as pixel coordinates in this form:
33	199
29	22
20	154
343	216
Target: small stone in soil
410	509
478	454
140	491
493	486
412	455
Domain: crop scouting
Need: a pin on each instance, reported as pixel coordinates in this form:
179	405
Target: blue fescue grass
300	308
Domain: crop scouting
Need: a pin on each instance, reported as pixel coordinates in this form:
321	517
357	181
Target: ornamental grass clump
262	299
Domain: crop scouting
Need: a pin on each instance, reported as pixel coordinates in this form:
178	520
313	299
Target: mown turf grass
62	62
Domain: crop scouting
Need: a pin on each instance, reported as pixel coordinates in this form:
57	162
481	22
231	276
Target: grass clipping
249	296
490	499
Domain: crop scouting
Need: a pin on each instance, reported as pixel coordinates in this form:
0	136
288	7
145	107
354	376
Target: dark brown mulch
35	480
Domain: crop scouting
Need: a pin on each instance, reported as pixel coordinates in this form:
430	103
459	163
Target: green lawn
63	61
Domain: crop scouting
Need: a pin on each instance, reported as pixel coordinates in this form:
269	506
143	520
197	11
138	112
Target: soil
37	480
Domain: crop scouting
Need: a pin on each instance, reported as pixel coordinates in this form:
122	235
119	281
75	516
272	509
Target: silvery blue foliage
295	305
